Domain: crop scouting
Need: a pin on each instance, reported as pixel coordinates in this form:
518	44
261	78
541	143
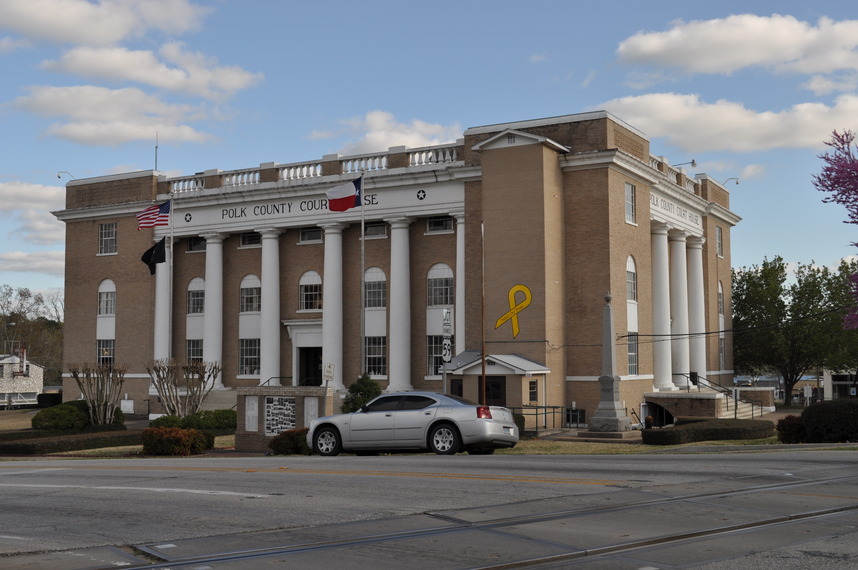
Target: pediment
512	137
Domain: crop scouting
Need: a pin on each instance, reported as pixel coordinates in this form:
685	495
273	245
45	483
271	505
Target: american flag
154	215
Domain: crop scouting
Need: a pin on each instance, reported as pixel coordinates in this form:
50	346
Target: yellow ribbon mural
515	308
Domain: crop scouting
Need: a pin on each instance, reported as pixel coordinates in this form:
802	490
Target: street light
692	162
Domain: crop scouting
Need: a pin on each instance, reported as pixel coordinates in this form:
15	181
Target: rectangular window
310	235
375	294
440	290
722	364
720	302
719	241
632	343
250	239
107	303
196	301
196	243
107	238
375	229
310	297
375	355
631	211
434	355
439	224
533	391
251	300
194	350
248	356
631	286
106	352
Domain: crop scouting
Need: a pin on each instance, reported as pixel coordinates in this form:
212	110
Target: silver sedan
411	421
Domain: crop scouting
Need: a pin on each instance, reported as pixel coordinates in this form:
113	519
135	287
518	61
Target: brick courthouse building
516	233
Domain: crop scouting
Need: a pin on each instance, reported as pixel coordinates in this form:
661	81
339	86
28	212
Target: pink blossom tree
839	180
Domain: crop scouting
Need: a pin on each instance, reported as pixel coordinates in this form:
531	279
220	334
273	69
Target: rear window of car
417	402
460	400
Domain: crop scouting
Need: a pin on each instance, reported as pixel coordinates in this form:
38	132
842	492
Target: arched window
106	298
250	295
631	280
196	296
375	288
310	292
439	285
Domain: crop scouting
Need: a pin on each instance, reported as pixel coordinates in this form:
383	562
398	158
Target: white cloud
821	85
45	262
537	58
726	45
379	130
101	116
28	207
194	73
104	22
11	44
693	125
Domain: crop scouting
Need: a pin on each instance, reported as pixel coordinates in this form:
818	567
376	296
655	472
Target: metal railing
540	419
735	398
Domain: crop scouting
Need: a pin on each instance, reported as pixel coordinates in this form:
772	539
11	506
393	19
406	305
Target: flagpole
362	280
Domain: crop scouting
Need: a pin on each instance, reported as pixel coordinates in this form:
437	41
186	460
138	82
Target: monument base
634	435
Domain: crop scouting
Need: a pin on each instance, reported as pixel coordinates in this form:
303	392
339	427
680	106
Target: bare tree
101	387
182	386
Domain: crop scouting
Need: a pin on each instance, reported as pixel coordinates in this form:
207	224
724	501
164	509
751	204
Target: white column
269	339
213	313
696	305
679	308
459	318
399	368
661	309
332	304
163	308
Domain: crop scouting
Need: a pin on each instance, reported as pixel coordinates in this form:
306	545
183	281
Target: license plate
507	430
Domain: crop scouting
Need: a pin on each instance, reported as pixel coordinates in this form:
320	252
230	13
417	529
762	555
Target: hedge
708	430
76	442
291	442
831	421
176	441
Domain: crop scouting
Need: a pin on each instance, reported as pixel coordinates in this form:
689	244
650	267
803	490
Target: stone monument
610	419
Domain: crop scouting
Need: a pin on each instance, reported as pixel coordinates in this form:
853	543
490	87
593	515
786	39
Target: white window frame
107	239
631	207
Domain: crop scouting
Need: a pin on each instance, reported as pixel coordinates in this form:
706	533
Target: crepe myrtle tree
839	180
792	322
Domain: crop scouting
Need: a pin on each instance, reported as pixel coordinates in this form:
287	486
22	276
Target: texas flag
345	196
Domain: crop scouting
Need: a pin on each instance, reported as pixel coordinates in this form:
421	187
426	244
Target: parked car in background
413	421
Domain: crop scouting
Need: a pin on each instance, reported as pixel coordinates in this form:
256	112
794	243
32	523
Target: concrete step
219	400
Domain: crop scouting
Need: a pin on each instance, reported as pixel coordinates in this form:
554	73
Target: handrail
729	393
266	383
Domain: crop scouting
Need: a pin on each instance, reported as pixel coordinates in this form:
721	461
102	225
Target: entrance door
310	366
496	390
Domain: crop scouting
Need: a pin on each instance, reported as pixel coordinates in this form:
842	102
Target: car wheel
444	439
326	441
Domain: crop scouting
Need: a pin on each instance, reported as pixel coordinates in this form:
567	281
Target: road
789	509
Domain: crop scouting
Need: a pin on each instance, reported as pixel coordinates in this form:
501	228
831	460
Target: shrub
715	429
831	421
166	421
65	417
291	442
175	441
791	430
218	422
47	400
361	392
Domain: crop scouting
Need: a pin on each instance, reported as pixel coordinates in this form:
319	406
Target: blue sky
750	90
